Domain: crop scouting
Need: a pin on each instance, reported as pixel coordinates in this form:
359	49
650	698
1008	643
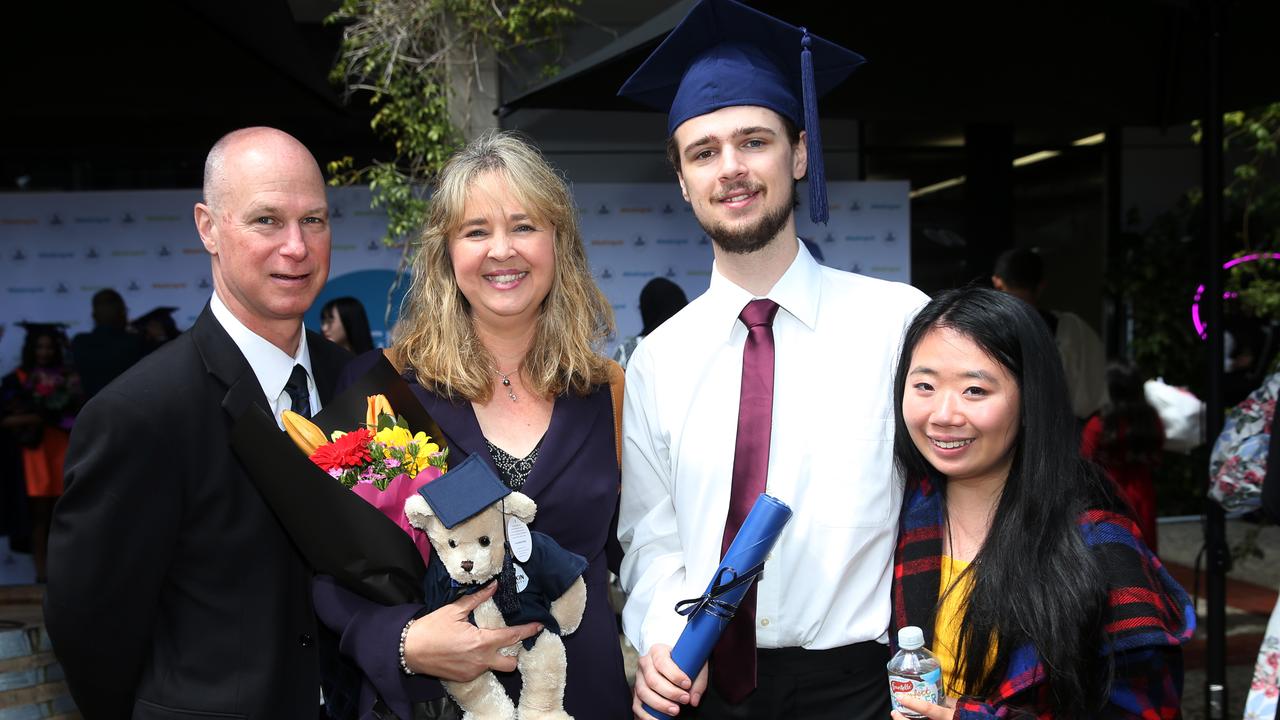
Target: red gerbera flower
350	450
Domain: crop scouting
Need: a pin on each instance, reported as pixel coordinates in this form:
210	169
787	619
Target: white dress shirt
270	364
836	338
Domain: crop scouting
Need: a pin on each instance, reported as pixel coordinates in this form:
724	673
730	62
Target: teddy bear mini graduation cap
467	489
725	54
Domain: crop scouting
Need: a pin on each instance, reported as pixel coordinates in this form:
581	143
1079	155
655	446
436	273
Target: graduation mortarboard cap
42	328
161	313
725	54
468	487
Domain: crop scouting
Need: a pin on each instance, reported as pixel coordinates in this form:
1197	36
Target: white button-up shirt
270	364
836	338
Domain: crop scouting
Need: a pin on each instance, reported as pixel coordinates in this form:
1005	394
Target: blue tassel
818	211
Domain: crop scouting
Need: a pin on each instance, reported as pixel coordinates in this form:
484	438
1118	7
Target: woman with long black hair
1015	555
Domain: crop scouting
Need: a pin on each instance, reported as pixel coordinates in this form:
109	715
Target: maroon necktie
733	661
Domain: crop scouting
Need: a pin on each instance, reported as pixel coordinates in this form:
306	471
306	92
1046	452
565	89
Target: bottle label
926	688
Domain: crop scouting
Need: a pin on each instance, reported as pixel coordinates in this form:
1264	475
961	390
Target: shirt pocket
850	481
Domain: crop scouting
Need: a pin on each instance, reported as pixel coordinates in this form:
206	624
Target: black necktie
298	393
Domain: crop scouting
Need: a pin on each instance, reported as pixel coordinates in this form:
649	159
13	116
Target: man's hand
926	708
446	645
660	684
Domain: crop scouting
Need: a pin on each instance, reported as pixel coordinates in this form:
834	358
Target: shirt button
764	622
305	640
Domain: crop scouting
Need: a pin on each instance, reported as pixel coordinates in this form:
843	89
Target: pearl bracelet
404	634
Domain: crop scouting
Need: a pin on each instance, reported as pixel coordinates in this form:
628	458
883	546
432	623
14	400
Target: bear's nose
467	565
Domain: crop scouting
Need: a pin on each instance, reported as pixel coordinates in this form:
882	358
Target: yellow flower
397	437
422	443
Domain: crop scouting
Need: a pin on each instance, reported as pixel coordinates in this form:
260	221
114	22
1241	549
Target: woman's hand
445	644
926	708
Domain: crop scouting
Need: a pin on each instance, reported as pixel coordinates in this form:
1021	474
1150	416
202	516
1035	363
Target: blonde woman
499	336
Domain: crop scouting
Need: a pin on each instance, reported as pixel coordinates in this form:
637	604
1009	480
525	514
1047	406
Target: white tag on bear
522	580
519	538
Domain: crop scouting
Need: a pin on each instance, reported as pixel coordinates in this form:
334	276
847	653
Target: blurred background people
109	349
343	321
660	298
1127	439
1020	272
39	401
156	327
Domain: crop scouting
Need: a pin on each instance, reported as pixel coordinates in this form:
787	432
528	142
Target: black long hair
1034	580
354	321
1131	429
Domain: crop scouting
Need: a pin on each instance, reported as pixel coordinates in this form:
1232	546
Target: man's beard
750	238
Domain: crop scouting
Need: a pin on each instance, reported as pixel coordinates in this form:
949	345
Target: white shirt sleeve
653	566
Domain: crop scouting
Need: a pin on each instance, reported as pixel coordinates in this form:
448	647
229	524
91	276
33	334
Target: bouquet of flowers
382	460
353	529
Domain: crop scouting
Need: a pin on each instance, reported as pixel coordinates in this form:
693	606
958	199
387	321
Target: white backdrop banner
58	249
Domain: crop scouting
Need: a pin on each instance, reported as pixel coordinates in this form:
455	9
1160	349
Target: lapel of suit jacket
327	361
223	360
572	420
457	420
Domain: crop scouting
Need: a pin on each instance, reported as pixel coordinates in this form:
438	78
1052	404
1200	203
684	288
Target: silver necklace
506	383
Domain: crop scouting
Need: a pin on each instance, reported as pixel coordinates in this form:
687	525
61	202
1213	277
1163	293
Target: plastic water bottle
914	671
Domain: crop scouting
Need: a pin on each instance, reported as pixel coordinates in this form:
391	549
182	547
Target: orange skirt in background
43	463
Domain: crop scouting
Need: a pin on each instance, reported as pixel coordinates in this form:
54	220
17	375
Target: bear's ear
521	506
417	510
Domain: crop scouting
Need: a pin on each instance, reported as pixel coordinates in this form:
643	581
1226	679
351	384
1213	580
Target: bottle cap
910	638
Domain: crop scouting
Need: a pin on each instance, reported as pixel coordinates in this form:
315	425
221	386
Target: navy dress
575	481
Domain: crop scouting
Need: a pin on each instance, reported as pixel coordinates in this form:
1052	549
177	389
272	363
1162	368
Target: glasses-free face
738	171
961	408
503	257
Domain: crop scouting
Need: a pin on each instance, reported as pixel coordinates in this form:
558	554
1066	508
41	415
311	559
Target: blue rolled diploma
754	541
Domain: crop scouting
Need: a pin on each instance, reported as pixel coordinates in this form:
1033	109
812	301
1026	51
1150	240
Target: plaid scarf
1150	616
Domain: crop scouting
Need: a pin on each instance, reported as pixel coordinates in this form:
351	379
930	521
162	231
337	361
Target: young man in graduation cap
776	380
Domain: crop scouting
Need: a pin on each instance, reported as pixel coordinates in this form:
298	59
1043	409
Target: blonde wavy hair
435	334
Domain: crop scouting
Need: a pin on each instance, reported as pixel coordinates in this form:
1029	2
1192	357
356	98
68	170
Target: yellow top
946	626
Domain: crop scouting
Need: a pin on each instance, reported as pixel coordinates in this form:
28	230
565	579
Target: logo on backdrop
667	210
335	213
606	274
604	209
62	288
92	254
55	220
128	218
373	247
829	238
671	271
164	251
18	255
889	237
855	206
133	286
639	242
704	241
203	284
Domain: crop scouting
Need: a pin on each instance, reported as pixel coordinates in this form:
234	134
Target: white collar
270	364
797	292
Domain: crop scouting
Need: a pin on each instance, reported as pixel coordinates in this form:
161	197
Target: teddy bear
476	528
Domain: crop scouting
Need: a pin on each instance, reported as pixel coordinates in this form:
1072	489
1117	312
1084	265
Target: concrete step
31	681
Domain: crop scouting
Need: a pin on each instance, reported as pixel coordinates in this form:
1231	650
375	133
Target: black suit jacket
173	592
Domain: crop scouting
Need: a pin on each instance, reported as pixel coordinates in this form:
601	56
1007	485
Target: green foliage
1161	269
406	56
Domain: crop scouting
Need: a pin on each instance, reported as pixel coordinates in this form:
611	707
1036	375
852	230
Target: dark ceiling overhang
1099	62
